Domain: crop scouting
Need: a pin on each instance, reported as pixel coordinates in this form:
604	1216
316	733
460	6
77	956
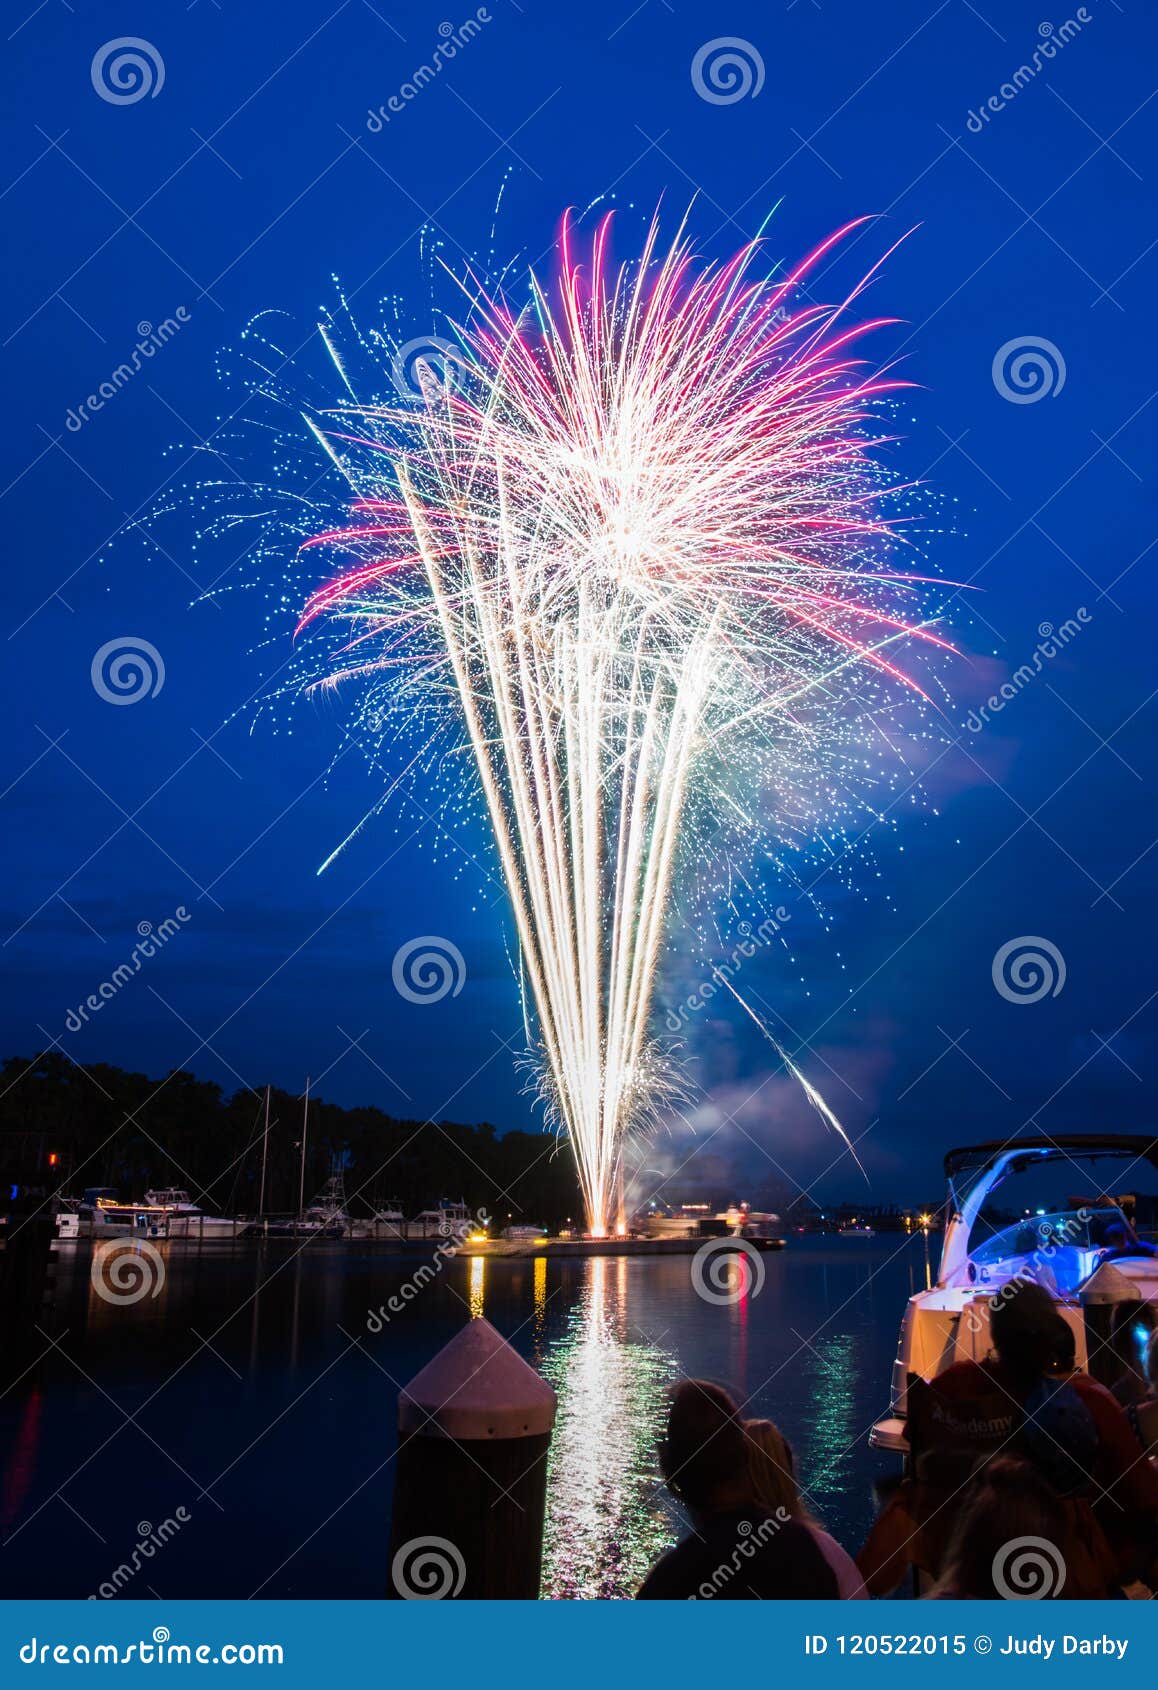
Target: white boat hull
1087	1258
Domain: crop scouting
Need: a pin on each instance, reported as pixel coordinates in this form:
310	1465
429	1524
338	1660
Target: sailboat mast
264	1154
305	1136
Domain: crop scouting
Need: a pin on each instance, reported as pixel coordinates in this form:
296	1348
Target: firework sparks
633	534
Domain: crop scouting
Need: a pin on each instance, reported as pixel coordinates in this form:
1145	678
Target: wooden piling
474	1428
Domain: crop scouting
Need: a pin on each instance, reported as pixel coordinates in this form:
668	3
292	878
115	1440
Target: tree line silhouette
64	1128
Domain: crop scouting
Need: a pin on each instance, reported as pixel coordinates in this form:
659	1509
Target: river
245	1413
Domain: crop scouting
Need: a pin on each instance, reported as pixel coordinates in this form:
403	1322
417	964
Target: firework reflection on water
824	1464
607	1517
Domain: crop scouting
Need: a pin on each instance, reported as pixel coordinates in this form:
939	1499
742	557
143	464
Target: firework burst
630	538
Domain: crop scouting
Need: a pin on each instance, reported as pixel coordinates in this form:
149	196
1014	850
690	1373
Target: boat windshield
1062	1244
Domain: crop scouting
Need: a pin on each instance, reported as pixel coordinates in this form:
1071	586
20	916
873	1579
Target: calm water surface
251	1393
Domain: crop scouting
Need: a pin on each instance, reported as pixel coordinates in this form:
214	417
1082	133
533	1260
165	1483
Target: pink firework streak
632	550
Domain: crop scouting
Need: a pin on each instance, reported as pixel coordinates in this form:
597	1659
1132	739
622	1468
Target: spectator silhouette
737	1549
1009	1539
1023	1400
773	1473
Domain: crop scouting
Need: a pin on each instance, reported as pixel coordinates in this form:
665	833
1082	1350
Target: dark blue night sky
248	182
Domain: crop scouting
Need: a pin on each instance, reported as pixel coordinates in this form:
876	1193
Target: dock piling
474	1428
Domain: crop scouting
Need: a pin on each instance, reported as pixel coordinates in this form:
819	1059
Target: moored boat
100	1213
327	1214
448	1220
164	1212
761	1229
172	1208
1085	1252
387	1221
